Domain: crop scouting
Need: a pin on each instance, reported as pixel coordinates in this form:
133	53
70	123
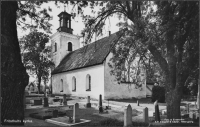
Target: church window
61	86
73	84
88	83
69	46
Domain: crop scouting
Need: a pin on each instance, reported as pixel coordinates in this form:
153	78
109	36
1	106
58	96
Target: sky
77	23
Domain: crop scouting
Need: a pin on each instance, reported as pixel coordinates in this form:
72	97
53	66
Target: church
84	71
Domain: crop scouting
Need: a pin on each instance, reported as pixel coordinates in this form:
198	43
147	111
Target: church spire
65	22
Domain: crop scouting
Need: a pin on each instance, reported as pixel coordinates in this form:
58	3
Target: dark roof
64	13
89	55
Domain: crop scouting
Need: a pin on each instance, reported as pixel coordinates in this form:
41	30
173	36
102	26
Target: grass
114	123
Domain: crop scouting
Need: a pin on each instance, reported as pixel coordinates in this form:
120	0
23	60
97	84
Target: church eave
53	73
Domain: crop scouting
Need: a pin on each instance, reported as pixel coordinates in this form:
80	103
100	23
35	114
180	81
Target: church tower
63	41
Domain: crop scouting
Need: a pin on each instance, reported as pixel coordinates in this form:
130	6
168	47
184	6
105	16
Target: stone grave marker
128	116
46	103
38	102
88	105
75	113
157	113
64	99
188	107
196	115
100	104
198	100
138	104
145	115
192	115
55	113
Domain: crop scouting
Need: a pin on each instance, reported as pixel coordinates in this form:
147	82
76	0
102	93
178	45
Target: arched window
73	84
69	46
61	82
88	83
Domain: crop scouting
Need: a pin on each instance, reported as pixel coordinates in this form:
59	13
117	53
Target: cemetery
71	111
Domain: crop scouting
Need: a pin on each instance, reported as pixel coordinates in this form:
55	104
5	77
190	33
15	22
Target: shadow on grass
134	100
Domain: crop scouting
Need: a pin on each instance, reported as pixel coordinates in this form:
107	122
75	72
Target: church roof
89	55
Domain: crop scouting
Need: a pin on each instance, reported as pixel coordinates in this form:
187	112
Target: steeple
65	22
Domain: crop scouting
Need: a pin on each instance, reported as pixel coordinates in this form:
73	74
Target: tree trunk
13	73
173	84
173	100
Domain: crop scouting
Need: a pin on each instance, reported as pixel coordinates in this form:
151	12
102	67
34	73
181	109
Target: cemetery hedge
158	93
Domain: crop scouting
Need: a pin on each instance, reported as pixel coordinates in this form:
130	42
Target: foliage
30	16
158	93
168	30
36	55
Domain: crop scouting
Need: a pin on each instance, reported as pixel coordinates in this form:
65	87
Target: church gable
92	54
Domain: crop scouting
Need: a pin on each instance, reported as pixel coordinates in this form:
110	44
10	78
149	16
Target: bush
158	93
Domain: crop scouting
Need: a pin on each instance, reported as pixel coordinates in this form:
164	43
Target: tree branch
162	62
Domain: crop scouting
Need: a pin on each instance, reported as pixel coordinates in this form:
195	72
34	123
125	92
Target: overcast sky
77	24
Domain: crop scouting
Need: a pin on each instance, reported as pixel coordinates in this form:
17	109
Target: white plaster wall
97	82
62	39
113	90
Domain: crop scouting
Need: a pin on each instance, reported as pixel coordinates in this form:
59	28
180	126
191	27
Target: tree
13	73
36	55
167	33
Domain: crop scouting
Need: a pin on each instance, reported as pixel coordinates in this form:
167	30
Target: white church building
84	71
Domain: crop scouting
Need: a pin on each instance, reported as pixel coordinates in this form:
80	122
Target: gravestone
198	100
38	102
128	116
88	105
64	99
192	115
196	115
100	104
157	113
55	113
188	107
75	113
138	103
145	115
46	103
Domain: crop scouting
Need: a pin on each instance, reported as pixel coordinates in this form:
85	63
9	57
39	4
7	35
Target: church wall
55	55
62	40
64	44
113	90
97	82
